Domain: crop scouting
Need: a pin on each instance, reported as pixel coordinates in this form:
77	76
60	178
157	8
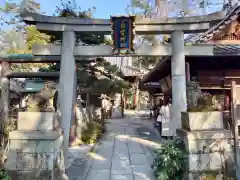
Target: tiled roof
223	49
230	50
232	15
204	37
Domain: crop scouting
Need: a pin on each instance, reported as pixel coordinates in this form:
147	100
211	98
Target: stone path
124	153
77	154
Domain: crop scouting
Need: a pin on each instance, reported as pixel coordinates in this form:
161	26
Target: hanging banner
123	34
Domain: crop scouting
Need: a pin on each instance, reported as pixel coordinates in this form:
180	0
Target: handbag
159	118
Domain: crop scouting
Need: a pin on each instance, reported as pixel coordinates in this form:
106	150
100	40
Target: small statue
41	101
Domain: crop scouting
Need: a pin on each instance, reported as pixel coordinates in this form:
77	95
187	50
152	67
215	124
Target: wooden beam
214	88
232	77
41	59
33	75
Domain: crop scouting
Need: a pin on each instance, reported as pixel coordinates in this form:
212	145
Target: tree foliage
71	9
20	39
21	42
11	11
102	77
142	8
163	9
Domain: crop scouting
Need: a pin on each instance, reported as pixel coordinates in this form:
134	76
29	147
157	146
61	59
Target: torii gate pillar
179	99
67	84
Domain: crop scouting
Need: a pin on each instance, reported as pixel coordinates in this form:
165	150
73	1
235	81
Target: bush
92	133
204	104
4	175
98	116
169	162
215	177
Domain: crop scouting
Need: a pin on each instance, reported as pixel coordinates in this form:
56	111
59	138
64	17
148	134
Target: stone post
5	86
179	99
188	76
67	86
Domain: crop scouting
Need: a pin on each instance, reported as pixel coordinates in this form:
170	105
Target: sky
104	8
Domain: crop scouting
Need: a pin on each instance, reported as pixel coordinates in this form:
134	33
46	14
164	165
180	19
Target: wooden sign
169	81
164	85
123	34
85	90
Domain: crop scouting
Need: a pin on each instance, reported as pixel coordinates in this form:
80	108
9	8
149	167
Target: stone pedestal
34	155
29	121
208	150
35	149
202	120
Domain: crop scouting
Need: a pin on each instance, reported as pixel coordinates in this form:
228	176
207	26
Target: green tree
20	39
71	9
20	42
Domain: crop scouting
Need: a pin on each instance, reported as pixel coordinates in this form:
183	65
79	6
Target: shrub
92	133
208	175
204	104
4	175
215	177
169	162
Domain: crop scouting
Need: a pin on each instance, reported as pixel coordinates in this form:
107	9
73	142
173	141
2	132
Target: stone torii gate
71	27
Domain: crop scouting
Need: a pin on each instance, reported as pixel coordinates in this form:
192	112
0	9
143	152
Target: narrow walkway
125	152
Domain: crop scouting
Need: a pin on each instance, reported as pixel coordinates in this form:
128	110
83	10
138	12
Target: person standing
166	112
159	117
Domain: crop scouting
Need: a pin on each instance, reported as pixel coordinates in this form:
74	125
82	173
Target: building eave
148	76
